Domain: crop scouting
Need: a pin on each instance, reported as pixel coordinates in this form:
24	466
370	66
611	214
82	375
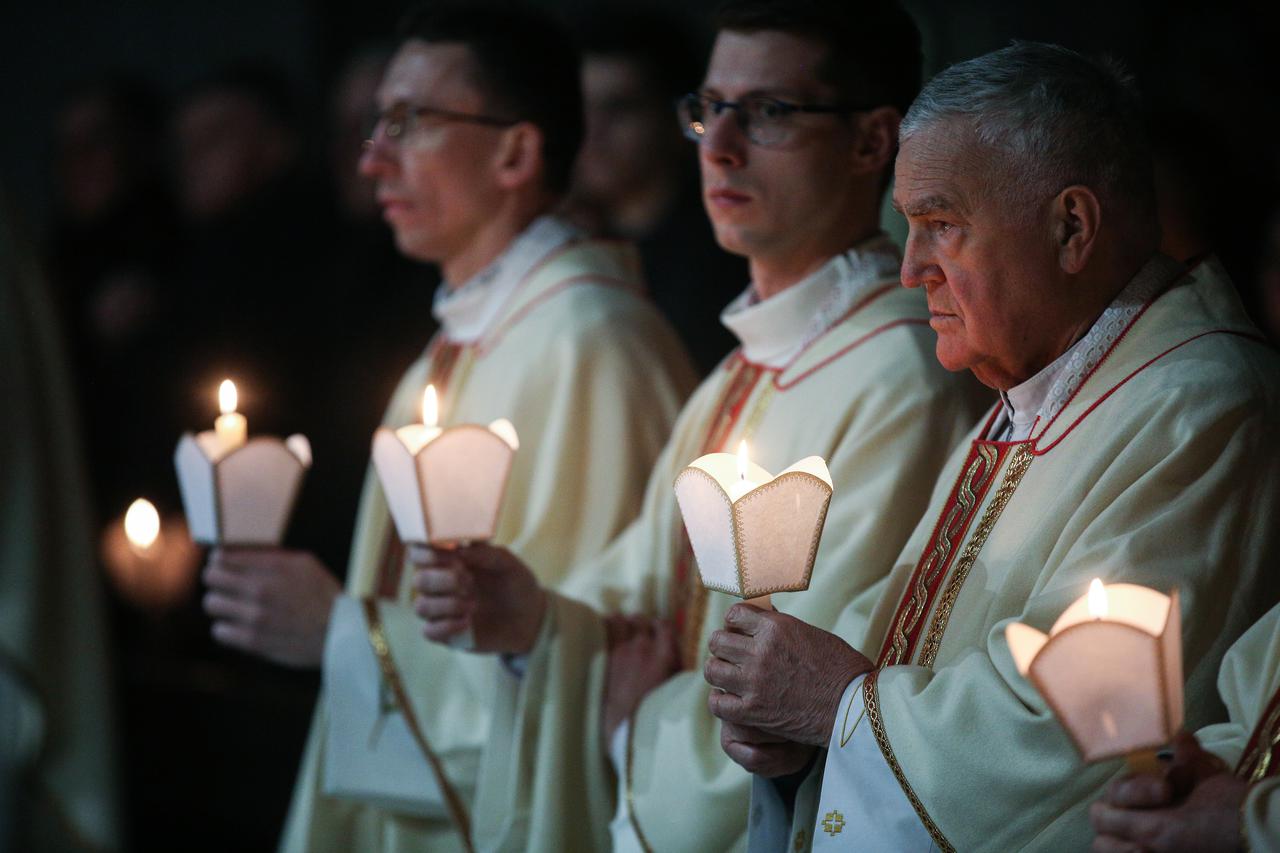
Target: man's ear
1077	218
519	159
877	139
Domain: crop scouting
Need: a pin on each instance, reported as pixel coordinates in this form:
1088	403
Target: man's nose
377	157
919	266
724	141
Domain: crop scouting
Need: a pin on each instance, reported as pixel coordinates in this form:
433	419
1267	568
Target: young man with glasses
602	734
480	120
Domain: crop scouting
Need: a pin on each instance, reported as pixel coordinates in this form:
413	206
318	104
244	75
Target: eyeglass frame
740	116
418	112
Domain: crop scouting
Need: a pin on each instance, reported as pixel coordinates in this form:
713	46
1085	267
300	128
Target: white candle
231	427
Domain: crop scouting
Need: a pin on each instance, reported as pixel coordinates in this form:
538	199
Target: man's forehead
934	171
421	70
765	61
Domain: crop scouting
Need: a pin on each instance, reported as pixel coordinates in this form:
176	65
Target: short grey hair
1060	118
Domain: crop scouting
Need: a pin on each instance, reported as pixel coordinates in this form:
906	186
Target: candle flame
142	523
1097	600
430	407
227	398
743	461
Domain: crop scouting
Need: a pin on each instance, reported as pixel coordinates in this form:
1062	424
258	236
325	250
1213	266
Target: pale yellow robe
1159	470
592	378
58	784
1250	686
866	394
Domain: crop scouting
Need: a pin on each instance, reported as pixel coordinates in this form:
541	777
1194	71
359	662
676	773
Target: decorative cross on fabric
832	823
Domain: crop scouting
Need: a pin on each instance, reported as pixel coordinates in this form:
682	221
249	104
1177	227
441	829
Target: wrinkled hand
764	754
1193	806
479	587
643	653
270	602
779	675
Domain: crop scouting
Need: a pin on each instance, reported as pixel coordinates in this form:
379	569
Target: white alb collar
773	331
468	312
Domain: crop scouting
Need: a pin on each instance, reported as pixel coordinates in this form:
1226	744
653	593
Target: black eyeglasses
405	119
765	121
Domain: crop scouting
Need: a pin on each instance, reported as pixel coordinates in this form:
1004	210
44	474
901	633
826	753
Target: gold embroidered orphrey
970	488
1258	761
832	823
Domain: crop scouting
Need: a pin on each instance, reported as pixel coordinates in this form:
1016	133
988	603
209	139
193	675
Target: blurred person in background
636	177
110	249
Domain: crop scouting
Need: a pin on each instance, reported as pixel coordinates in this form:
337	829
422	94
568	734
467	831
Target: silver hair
1055	117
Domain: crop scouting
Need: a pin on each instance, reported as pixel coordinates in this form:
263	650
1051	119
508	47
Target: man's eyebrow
925	206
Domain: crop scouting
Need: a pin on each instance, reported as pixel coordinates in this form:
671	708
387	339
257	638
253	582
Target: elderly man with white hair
1133	441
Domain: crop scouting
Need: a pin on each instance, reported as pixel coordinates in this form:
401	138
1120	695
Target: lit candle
1097	599
742	485
231	427
142	526
418	436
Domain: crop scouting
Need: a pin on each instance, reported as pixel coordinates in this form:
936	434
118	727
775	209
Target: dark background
210	741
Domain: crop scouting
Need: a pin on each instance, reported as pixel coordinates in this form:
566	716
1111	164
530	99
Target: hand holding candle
1110	668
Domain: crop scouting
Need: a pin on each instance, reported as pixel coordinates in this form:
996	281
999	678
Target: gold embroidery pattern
391	677
973	482
798	844
832	823
1018	466
1258	761
871	701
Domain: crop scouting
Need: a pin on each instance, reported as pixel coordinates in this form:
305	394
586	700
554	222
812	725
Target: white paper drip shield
446	488
765	540
1114	681
244	496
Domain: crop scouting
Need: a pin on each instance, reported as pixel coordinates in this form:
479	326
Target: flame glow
227	398
142	523
1097	600
430	407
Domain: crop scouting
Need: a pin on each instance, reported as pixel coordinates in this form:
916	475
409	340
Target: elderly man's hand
1193	806
779	675
643	653
482	588
764	754
270	602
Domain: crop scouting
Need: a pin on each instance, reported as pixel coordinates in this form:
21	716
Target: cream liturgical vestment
57	751
1152	461
840	365
1250	742
557	337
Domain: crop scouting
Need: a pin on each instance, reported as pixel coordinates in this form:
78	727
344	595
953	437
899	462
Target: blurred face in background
354	100
435	180
632	136
228	148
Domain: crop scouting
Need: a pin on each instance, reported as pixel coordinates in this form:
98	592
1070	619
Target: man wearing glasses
601	730
480	121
